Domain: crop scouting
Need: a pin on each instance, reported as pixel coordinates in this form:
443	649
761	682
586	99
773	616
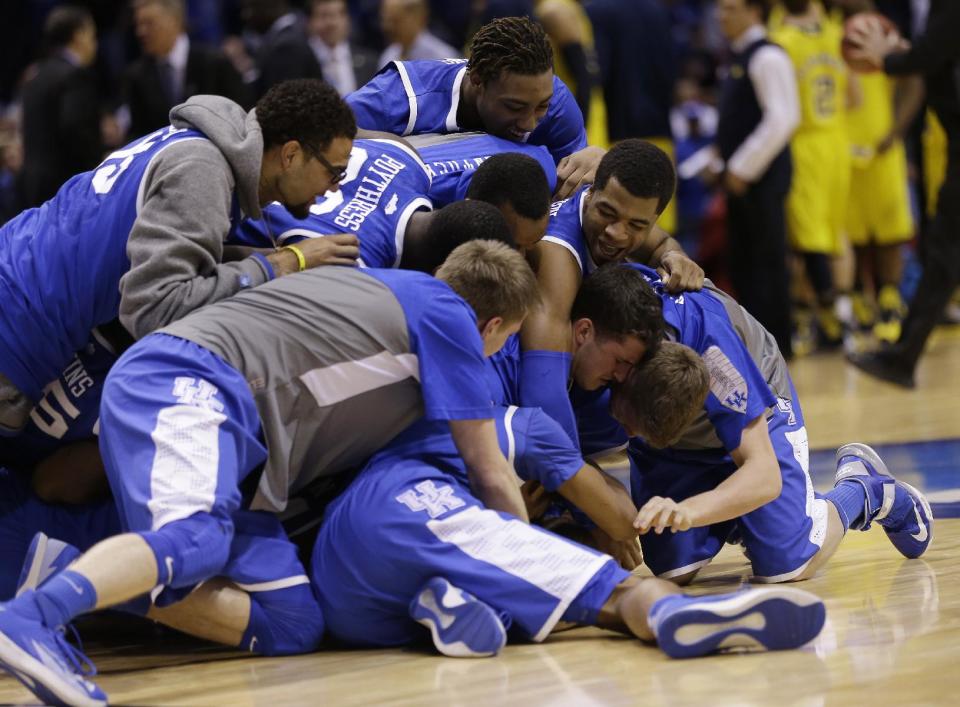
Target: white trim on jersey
554	565
341	381
511	440
561	242
276	584
183	478
451	122
411	152
411	96
401	233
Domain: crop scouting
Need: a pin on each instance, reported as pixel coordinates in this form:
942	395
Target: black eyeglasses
337	173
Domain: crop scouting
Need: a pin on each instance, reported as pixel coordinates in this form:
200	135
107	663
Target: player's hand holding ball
868	37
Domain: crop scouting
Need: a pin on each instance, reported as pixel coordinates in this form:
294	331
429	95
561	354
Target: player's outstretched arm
756	482
605	501
492	478
546	340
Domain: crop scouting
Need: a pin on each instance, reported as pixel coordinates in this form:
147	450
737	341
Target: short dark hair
515	179
515	44
620	302
459	223
661	398
642	168
63	23
306	110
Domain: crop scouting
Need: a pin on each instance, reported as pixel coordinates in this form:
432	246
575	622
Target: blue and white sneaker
45	557
902	510
46	664
462	626
773	619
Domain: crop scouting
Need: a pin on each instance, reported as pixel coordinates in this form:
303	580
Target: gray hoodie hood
238	136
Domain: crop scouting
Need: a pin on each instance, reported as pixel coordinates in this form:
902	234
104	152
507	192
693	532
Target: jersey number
824	96
48	419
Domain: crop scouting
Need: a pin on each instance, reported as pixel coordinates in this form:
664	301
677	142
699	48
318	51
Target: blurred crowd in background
78	80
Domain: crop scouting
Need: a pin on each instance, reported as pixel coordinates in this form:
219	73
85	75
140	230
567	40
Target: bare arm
909	95
492	478
548	327
756	482
605	501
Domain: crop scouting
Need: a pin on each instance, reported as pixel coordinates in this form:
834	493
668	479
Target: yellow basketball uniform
934	160
816	205
879	206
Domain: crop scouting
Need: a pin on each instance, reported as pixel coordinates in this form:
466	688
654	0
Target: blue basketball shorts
779	538
391	532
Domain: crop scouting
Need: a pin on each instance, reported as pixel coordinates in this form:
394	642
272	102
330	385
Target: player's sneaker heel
462	626
778	618
45	557
45	663
904	511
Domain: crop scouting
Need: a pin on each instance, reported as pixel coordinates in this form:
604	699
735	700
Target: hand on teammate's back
340	249
576	170
679	273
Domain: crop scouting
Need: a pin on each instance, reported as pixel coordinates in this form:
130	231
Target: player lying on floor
188	415
718	448
434	554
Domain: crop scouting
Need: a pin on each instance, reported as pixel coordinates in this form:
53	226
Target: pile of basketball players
327	371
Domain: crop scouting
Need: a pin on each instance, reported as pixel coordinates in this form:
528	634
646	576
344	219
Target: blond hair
493	278
660	399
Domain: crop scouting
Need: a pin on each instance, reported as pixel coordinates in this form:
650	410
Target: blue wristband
265	264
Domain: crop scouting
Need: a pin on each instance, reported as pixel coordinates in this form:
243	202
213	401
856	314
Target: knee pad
191	550
283	622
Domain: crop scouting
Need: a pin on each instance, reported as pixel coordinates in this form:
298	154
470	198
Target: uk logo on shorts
435	500
197	393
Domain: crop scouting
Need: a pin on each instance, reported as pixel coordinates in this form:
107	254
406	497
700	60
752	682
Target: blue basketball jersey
61	263
739	392
68	411
565	229
386	183
534	444
416	97
452	163
503	373
446	344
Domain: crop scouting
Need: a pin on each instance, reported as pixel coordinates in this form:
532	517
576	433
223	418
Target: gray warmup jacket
176	244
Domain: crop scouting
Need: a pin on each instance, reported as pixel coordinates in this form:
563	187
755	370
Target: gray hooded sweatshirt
176	243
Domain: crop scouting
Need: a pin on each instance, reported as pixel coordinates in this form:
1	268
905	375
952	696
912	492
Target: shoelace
81	663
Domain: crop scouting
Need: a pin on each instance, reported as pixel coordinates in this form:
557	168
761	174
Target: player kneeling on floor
718	448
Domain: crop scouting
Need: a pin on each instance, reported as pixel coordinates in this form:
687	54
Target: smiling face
599	360
615	222
512	105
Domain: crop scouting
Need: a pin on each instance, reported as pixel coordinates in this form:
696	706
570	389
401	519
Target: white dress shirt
775	84
337	65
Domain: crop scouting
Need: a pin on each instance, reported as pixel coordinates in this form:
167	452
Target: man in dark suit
282	51
61	112
172	67
345	65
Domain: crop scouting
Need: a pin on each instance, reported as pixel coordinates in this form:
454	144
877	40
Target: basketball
852	27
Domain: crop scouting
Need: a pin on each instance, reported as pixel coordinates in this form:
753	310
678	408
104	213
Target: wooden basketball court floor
892	635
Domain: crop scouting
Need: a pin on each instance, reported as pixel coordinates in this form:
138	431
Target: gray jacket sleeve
176	243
